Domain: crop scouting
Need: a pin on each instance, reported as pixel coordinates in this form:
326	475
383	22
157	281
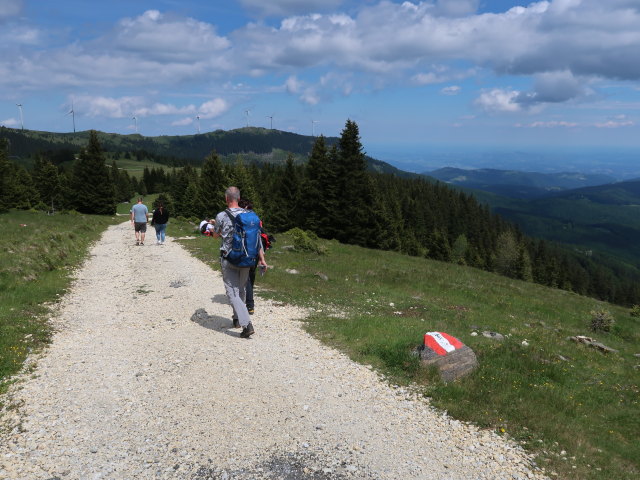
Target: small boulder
493	335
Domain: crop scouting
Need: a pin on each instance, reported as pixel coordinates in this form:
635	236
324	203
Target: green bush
635	311
601	321
305	241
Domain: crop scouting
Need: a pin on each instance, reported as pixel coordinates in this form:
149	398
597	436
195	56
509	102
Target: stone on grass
590	342
452	358
494	335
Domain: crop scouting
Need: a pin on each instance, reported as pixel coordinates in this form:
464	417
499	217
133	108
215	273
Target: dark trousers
249	288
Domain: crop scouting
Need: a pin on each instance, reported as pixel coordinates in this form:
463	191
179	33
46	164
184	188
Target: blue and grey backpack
245	245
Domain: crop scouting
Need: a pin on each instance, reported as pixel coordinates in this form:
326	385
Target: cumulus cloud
589	37
213	108
10	122
499	100
563	44
165	38
287	7
100	106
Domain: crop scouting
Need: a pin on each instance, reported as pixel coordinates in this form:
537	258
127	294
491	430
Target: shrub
601	321
306	241
635	311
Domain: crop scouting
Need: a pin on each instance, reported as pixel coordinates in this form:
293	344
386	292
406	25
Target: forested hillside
256	145
334	195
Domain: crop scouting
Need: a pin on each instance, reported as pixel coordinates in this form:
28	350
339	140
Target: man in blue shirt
139	214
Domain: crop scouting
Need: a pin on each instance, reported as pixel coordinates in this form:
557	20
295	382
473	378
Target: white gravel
145	379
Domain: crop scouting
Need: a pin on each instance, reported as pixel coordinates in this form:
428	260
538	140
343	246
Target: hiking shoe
137	244
141	243
236	323
247	331
250	310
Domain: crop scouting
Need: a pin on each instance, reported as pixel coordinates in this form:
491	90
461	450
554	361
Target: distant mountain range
516	184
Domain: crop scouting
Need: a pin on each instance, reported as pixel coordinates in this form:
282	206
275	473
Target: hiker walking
159	222
240	246
139	214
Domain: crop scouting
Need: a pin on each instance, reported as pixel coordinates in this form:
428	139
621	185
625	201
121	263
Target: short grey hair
232	193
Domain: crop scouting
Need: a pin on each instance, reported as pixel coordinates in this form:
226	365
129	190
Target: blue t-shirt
140	212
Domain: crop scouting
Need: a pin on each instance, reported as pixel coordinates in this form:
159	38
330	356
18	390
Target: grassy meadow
38	253
577	408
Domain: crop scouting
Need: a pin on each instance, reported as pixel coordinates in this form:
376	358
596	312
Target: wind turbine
19	105
246	112
271	117
198	119
135	121
73	115
313	127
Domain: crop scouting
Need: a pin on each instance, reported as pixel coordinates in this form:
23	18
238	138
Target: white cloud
615	124
213	108
100	106
182	122
10	122
106	106
166	39
451	90
287	7
499	100
549	124
564	45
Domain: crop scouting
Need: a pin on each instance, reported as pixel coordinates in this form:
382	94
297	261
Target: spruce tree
355	217
93	190
210	188
6	178
47	182
287	213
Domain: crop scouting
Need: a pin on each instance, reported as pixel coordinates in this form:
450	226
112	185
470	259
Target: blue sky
559	73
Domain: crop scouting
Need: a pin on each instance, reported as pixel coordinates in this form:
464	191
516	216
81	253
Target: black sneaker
250	310
236	323
247	331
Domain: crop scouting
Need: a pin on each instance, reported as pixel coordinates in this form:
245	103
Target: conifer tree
93	191
47	182
355	217
240	177
6	178
210	188
287	215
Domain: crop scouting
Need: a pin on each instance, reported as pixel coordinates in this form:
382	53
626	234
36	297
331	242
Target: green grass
376	306
37	256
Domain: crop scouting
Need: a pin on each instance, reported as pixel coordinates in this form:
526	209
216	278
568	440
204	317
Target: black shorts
140	226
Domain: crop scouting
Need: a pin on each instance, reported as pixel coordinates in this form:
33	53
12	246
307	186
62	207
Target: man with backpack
240	248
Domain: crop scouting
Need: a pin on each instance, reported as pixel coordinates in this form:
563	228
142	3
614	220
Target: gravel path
145	379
